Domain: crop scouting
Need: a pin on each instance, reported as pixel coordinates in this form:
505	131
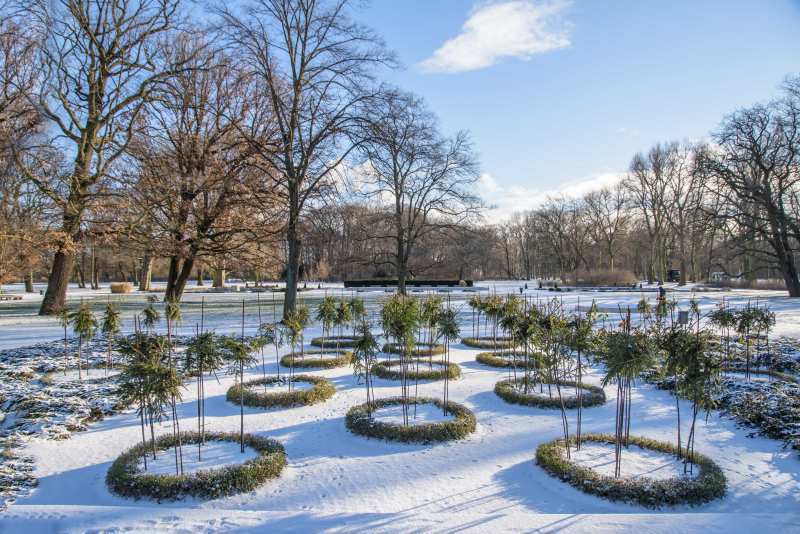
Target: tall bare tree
315	65
756	168
421	180
99	62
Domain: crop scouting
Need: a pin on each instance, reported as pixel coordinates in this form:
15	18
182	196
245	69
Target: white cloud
505	201
517	28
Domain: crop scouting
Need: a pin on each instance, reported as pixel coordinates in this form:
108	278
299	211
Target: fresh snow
424	413
335	480
636	462
213	455
277	387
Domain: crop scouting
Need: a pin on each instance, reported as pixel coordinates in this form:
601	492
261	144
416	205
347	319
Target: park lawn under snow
636	462
488	481
213	455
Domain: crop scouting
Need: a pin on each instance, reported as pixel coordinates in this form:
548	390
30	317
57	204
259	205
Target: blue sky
559	95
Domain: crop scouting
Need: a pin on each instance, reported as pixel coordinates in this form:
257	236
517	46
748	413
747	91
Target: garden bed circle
384	370
306	359
488	342
593	396
359	421
420	349
710	484
495	359
125	479
321	391
342	342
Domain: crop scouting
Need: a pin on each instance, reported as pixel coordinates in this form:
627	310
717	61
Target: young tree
202	355
112	325
240	355
84	323
315	65
365	353
449	331
326	314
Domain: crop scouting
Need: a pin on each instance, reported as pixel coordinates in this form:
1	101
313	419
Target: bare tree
755	168
315	64
190	194
607	211
99	61
422	181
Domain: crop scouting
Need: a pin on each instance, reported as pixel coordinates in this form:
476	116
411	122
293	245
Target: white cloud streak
517	28
506	201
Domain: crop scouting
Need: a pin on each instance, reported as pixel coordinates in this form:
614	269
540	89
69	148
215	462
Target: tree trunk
29	281
146	274
55	297
95	271
200	277
177	278
292	267
219	278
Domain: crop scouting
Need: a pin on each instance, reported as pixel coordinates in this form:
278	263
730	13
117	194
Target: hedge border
359	421
125	479
709	484
487	342
434	350
344	359
493	360
595	397
321	391
383	370
336	342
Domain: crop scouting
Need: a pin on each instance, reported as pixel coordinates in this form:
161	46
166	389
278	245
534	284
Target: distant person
662	295
526	286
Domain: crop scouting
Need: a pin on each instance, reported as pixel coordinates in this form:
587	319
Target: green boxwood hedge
321	391
709	484
420	349
593	396
308	359
418	369
501	359
488	342
359	421
126	479
340	342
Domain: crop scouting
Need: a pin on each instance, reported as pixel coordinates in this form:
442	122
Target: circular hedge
359	421
417	370
126	479
501	359
420	349
488	342
710	484
307	359
593	396
321	391
341	342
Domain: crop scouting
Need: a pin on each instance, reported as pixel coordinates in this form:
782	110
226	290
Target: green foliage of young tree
63	320
449	331
326	314
239	353
150	315
400	319
111	327
84	323
629	354
343	314
148	381
365	352
203	354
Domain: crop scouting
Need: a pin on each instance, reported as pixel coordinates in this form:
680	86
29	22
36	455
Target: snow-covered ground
213	455
419	414
636	462
339	481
